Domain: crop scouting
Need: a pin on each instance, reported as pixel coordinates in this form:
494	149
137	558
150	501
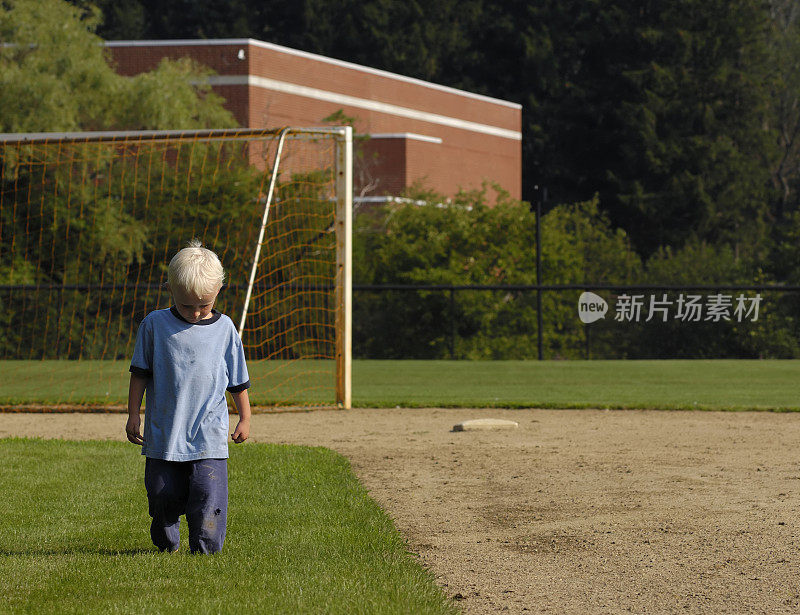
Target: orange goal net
89	222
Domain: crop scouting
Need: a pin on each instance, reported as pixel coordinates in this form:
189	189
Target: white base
479	424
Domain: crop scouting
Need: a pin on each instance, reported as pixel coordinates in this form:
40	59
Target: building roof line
362	103
313	56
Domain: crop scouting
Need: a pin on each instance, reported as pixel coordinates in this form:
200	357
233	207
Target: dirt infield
573	512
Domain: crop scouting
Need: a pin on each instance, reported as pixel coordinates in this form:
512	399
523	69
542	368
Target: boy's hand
132	429
135	394
242	431
242	401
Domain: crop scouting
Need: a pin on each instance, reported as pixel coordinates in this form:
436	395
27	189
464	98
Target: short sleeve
238	378
142	361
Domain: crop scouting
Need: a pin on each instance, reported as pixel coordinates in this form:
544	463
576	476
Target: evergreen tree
660	108
785	97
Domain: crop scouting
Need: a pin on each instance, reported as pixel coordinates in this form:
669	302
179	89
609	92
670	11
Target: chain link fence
396	321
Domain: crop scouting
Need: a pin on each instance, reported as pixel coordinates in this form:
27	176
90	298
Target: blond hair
196	270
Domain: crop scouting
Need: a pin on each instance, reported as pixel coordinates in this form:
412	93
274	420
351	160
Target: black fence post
586	329
452	322
539	343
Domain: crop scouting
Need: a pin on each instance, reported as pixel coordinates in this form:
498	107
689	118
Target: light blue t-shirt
188	369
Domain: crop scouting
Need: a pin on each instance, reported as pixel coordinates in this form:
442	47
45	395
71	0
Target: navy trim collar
215	316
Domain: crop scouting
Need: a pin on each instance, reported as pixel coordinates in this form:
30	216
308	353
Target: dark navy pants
197	489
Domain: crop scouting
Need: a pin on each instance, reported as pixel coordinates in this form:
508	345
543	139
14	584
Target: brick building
447	138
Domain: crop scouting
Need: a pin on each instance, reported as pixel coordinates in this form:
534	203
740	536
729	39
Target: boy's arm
242	401
135	395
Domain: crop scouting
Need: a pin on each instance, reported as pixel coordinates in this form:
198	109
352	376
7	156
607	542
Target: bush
473	240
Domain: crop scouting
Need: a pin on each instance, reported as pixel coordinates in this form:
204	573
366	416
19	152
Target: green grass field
711	385
303	537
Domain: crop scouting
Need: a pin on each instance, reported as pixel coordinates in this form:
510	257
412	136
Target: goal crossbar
144	136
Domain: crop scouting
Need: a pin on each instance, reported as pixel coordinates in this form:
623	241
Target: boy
185	358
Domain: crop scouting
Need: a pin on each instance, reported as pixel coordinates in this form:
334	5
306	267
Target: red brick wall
381	163
463	159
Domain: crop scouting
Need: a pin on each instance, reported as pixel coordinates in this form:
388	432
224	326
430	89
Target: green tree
424	40
55	76
479	240
785	107
772	335
658	107
102	220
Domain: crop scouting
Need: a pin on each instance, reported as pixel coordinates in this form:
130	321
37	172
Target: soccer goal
89	222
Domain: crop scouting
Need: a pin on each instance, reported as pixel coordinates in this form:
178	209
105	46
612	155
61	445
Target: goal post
89	221
344	267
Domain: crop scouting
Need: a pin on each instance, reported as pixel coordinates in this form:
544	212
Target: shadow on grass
77	551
